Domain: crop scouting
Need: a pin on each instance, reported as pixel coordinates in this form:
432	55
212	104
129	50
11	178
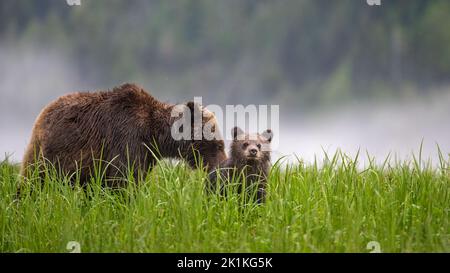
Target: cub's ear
268	135
235	132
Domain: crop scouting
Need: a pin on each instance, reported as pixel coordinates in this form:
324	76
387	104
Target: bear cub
248	162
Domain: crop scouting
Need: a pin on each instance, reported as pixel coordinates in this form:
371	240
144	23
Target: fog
396	130
30	78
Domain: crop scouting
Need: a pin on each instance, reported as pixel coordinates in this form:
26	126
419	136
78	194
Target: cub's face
251	147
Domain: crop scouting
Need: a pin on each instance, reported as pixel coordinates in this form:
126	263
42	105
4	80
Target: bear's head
203	143
250	148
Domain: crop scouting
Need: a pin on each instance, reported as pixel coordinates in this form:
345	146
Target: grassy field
336	207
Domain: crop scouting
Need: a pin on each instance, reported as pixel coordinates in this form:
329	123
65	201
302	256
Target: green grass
336	207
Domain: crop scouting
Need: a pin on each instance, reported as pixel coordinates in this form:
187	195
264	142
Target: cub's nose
253	152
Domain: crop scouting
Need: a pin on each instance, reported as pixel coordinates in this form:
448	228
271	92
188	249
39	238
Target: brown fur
242	163
115	126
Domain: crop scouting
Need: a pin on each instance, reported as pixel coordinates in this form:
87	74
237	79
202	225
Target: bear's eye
245	145
259	146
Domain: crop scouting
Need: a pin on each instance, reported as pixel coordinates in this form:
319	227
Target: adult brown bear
124	127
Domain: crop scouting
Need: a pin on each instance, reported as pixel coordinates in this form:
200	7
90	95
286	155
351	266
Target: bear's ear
235	132
194	108
268	135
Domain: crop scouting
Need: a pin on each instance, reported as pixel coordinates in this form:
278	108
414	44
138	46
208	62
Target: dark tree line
305	48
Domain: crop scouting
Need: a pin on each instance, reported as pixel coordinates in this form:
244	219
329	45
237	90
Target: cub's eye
245	145
259	146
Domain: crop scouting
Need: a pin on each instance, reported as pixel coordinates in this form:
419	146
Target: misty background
345	74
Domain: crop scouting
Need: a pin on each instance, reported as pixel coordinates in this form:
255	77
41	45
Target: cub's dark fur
117	126
250	159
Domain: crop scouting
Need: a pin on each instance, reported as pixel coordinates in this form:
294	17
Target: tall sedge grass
334	206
